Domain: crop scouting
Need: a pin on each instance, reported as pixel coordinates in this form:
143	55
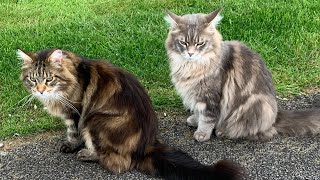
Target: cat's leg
89	153
115	162
112	161
73	142
193	120
205	128
252	120
206	123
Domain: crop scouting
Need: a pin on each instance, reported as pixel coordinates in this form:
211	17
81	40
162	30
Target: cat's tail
298	122
171	163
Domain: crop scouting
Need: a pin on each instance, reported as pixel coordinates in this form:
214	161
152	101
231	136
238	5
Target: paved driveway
281	158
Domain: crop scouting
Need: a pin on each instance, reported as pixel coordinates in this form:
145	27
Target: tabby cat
226	85
109	116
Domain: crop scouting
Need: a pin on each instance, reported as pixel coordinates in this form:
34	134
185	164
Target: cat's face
42	73
192	35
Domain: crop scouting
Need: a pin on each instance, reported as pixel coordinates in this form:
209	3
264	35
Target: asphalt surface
280	158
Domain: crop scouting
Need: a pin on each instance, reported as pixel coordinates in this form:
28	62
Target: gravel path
281	158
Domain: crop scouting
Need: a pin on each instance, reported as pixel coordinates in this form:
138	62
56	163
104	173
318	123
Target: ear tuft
56	57
170	21
23	56
216	21
214	18
172	18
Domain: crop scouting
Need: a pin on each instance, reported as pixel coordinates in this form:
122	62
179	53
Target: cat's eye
32	79
50	78
183	43
200	43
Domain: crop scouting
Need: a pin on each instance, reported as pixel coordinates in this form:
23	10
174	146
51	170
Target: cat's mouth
43	95
192	58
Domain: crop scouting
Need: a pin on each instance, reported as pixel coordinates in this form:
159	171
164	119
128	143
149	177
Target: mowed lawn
131	34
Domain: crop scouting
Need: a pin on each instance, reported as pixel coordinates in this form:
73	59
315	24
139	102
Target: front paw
192	121
68	147
219	134
201	136
87	155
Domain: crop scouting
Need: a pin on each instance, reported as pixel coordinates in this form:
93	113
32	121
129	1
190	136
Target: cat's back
122	88
106	71
245	69
109	75
243	61
238	52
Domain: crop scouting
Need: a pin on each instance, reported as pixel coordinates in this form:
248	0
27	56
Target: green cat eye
200	43
48	79
183	43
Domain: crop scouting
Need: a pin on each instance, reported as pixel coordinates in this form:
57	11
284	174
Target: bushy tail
299	122
171	163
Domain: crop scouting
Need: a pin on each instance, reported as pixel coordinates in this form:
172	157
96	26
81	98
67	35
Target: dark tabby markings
117	122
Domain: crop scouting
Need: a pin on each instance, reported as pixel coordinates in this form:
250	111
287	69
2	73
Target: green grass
131	34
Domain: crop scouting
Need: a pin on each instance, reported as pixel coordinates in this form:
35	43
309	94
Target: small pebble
1	145
165	114
3	153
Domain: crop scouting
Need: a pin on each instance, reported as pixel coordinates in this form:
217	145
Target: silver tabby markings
226	85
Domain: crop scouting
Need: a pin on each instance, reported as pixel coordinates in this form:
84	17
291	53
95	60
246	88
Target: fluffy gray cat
226	85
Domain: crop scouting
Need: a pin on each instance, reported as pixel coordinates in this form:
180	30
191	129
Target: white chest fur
187	77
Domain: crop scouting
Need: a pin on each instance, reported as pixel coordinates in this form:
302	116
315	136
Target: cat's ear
214	18
56	57
172	18
23	56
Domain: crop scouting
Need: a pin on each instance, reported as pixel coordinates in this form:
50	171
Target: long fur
175	164
298	122
109	116
226	85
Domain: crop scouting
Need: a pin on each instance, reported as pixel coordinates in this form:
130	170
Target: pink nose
41	88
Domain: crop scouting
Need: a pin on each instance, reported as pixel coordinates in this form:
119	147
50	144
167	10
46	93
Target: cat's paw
192	121
87	155
219	134
68	147
201	136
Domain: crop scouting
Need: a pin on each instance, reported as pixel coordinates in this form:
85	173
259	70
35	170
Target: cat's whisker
23	99
63	101
29	100
105	125
67	99
26	98
229	77
68	105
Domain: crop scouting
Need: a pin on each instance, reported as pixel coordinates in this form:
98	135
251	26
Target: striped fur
109	116
226	85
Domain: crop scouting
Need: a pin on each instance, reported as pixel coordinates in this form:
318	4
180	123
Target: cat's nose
41	91
41	88
190	54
